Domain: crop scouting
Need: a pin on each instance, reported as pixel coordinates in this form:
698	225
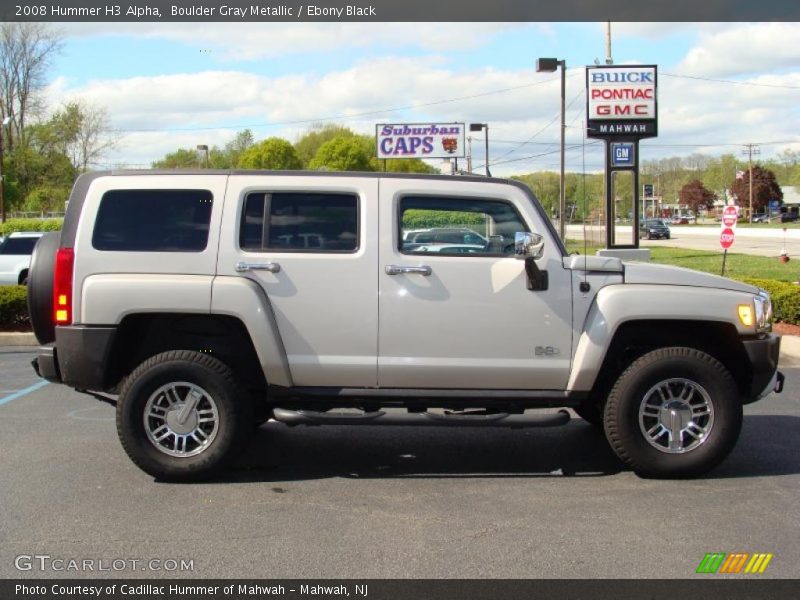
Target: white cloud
208	107
744	49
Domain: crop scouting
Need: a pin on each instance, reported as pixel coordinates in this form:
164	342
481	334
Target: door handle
401	270
241	267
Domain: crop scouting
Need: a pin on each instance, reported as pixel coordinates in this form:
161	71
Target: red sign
726	238
730	215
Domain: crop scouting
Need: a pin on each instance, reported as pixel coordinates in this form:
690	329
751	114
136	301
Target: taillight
62	286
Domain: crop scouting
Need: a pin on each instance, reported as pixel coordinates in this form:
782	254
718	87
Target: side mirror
528	245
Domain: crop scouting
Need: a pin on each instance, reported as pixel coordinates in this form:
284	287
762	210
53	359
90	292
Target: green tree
765	188
405	165
230	155
717	175
180	159
696	195
272	153
310	142
346	153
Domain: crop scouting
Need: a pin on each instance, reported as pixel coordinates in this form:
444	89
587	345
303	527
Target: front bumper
763	354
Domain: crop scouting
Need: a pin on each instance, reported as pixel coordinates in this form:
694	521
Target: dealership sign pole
621	109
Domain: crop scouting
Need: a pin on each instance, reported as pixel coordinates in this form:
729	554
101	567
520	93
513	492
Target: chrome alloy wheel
676	415
181	419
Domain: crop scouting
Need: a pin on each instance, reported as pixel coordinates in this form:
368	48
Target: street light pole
485	128
204	148
549	65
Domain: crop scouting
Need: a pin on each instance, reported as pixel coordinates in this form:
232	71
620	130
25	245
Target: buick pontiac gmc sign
621	101
420	140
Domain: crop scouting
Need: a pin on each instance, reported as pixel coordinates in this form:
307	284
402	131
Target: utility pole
609	60
469	154
751	149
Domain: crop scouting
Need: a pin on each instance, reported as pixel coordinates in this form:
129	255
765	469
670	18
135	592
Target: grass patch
738	266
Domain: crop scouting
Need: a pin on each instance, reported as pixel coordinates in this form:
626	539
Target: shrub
13	225
14	307
785	298
419	219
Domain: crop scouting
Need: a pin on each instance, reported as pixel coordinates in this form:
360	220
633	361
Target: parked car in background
761	218
15	257
789	217
654	229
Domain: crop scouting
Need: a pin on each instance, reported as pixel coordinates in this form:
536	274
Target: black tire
40	286
622	421
233	405
23	278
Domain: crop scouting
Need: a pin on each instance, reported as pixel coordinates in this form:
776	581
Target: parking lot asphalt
384	502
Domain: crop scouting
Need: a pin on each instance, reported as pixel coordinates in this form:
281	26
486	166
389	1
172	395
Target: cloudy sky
178	85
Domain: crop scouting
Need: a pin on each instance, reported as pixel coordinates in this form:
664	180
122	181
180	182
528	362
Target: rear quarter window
153	221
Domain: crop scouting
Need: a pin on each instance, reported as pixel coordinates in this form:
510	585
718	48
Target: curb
17	339
790	349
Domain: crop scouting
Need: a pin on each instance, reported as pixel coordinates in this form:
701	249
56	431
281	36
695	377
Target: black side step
423	419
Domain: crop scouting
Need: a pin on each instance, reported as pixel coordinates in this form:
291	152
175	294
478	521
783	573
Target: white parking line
22	392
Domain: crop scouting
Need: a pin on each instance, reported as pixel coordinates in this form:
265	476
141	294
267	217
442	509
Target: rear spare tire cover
40	287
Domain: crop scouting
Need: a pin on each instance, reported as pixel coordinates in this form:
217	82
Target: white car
15	257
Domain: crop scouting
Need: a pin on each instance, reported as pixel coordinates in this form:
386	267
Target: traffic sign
730	215
726	238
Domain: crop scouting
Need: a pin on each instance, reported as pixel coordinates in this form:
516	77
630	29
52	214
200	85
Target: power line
731	81
549	123
568	148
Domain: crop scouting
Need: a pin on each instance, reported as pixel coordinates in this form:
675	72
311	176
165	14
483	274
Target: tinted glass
300	222
19	245
470	226
153	221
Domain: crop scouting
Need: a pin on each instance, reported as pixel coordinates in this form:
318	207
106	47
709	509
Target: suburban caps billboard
420	140
621	101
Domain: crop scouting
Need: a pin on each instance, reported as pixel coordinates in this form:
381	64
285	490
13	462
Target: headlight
763	312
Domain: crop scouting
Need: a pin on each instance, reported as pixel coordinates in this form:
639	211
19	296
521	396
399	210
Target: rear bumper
763	354
78	358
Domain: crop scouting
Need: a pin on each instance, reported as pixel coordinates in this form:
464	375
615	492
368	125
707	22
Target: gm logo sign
623	155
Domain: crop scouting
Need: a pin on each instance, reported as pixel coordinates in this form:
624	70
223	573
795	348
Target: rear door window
300	222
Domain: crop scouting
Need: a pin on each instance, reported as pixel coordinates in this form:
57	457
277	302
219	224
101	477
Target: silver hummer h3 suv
211	301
